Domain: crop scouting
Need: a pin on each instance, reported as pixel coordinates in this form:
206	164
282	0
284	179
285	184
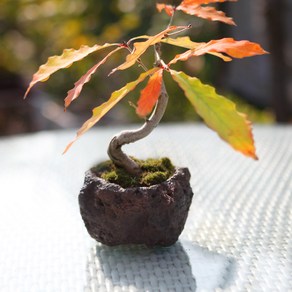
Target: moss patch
154	171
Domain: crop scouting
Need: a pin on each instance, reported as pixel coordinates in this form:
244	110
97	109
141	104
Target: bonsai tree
218	113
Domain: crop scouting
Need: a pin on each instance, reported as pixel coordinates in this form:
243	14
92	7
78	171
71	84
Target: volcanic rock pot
153	215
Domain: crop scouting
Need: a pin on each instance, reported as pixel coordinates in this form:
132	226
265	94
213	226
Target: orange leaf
229	46
141	47
116	96
75	92
65	60
209	13
169	9
233	48
187	3
186	42
150	94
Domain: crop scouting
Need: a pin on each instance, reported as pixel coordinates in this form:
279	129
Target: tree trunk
115	152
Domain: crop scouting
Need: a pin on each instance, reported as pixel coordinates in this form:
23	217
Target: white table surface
238	236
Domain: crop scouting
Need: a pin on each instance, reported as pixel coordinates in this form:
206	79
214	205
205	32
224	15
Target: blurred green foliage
33	30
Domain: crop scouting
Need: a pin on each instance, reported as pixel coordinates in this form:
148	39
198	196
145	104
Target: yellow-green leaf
218	113
184	42
116	96
65	60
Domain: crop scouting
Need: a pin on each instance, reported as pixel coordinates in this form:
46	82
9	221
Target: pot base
152	215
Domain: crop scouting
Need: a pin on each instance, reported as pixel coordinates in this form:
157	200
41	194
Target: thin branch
141	64
180	30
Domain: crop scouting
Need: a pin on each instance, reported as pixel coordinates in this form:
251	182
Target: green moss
154	171
153	178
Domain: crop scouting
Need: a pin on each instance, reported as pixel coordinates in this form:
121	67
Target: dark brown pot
152	215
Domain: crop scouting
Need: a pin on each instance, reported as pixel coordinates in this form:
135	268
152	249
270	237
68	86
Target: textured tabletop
238	236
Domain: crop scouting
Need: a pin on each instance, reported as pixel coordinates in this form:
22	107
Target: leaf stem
181	30
141	64
171	18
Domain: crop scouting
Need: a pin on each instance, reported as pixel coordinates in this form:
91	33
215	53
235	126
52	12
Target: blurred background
33	30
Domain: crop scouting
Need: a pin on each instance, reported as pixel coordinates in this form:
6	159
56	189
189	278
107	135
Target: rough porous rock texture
152	215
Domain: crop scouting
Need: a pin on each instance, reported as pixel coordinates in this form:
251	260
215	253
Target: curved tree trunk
115	152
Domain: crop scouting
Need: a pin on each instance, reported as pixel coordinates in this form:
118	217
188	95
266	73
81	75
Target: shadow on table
211	270
174	268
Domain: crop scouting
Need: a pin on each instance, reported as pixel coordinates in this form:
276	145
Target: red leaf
75	92
150	94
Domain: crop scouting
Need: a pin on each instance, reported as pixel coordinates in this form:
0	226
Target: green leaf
116	96
218	113
65	60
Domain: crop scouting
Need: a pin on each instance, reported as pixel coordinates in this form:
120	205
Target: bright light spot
76	7
21	47
30	12
49	8
127	5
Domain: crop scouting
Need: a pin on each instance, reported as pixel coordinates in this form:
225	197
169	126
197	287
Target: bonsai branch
115	152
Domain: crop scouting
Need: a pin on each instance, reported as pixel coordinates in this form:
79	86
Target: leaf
218	113
187	3
233	48
169	9
193	7
186	42
139	37
208	12
75	92
101	110
141	47
65	60
150	94
229	46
